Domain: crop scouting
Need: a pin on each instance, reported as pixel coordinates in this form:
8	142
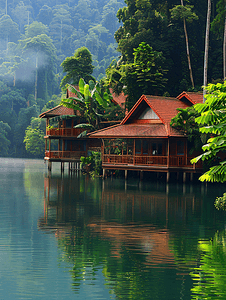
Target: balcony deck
65	132
150	163
64	156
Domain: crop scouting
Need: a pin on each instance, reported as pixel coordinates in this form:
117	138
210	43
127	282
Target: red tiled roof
70	94
118	99
164	107
59	110
194	98
135	131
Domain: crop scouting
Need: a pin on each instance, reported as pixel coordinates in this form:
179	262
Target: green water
74	237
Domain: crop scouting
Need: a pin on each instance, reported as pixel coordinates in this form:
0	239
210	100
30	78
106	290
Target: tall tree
9	31
206	48
42	55
144	76
78	66
60	26
219	26
35	28
185	13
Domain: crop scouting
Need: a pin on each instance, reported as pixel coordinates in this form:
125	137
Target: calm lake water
81	238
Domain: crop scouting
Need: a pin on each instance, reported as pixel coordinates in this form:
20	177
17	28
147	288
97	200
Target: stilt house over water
145	141
61	142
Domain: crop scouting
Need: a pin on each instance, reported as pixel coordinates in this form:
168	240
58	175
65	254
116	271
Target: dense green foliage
91	100
78	66
42	44
212	121
185	122
144	75
158	24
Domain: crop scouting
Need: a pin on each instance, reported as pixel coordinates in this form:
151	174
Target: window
138	146
67	145
68	123
180	147
145	146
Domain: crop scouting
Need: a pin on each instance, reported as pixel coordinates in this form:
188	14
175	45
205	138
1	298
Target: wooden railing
174	161
135	160
65	154
64	131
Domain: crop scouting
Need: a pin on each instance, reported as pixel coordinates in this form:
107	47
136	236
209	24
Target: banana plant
90	99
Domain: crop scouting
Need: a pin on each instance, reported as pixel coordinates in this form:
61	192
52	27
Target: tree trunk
187	47
206	49
36	77
224	50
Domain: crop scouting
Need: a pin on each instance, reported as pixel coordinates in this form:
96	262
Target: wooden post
62	167
184	177
134	151
69	168
104	171
126	174
167	177
141	175
49	166
168	154
184	189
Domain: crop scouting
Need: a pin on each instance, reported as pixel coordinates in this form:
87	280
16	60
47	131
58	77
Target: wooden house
145	141
61	142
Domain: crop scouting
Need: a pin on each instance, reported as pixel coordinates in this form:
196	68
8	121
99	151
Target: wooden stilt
104	171
126	174
167	177
50	166
167	189
191	177
184	189
141	175
184	177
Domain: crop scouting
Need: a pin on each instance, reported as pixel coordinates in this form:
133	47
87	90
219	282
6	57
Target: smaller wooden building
61	142
145	141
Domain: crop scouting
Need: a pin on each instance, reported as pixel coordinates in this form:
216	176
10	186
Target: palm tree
89	99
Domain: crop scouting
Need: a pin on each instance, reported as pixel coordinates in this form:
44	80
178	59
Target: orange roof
165	108
136	131
69	94
194	98
118	99
59	110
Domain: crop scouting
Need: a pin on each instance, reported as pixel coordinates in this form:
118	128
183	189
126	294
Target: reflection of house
137	220
145	141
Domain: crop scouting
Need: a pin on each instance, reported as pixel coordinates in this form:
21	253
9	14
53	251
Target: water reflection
210	276
146	241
